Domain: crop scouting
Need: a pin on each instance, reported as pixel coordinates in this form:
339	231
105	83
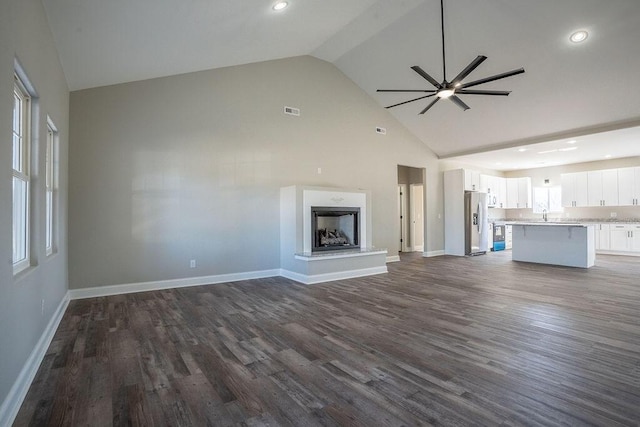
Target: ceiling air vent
292	111
381	131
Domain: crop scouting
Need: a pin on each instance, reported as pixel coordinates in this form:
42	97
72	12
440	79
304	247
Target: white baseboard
606	252
328	277
418	248
430	254
393	258
11	405
103	291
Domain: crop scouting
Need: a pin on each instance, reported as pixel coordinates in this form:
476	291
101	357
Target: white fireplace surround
297	259
332	199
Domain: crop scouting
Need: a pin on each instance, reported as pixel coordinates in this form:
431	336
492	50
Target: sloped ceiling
567	89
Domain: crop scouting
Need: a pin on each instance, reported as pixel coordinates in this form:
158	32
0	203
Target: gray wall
24	33
189	167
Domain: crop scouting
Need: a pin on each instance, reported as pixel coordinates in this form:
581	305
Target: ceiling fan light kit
451	90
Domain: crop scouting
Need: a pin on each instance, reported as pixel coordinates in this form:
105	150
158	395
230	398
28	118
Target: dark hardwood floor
439	341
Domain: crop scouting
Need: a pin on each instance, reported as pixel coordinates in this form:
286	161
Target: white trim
419	248
11	405
102	291
347	254
430	254
393	258
328	277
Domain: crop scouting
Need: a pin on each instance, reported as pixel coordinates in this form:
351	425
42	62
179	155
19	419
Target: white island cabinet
571	245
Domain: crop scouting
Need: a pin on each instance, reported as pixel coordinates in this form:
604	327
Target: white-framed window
547	199
51	185
21	179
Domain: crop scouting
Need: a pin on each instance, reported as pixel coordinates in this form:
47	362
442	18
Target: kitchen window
547	199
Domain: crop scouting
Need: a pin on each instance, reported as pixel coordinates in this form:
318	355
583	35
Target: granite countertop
574	221
547	224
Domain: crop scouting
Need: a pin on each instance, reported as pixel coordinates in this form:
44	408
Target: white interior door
416	219
403	217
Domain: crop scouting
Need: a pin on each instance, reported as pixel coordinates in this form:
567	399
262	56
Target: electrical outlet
319	171
192	263
614	214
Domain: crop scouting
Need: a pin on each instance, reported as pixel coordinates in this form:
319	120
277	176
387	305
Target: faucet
544	215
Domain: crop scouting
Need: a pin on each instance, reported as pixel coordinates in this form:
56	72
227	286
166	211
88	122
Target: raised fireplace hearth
335	228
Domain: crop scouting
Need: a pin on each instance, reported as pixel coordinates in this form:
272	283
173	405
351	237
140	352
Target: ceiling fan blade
464	73
483	92
429	106
459	102
426	76
407	90
493	78
411	100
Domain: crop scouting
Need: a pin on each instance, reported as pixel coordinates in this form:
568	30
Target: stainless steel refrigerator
476	223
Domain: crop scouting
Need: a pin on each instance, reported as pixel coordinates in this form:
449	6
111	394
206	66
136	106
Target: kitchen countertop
547	224
569	221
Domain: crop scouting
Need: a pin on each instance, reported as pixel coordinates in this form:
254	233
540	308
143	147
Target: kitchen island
571	245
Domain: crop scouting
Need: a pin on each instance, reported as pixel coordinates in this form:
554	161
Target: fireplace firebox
335	228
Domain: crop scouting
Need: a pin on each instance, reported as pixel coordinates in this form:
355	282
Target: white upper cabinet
524	192
602	187
629	186
471	180
493	186
574	189
501	192
518	193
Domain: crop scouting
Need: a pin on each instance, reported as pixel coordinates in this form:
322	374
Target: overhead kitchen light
280	5
522	150
573	141
548	151
579	36
568	149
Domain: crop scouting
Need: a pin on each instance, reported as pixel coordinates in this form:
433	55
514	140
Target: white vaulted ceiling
567	89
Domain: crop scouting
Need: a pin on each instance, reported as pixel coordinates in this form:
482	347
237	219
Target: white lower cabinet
635	238
603	241
624	238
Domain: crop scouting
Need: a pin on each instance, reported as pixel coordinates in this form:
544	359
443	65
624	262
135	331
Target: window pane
17	152
49	222
540	199
19	219
555	199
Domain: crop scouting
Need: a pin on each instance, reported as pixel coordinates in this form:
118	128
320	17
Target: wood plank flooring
479	341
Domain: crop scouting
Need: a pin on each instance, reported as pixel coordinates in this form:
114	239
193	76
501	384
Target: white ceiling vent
381	131
292	111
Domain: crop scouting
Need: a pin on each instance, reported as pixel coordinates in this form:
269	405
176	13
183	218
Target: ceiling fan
451	90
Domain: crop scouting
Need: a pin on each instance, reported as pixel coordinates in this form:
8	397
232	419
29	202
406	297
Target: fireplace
335	228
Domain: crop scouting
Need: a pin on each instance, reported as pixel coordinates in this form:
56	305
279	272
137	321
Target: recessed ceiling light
522	150
608	156
547	151
573	141
568	149
579	36
280	5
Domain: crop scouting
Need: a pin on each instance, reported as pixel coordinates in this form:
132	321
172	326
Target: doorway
411	205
